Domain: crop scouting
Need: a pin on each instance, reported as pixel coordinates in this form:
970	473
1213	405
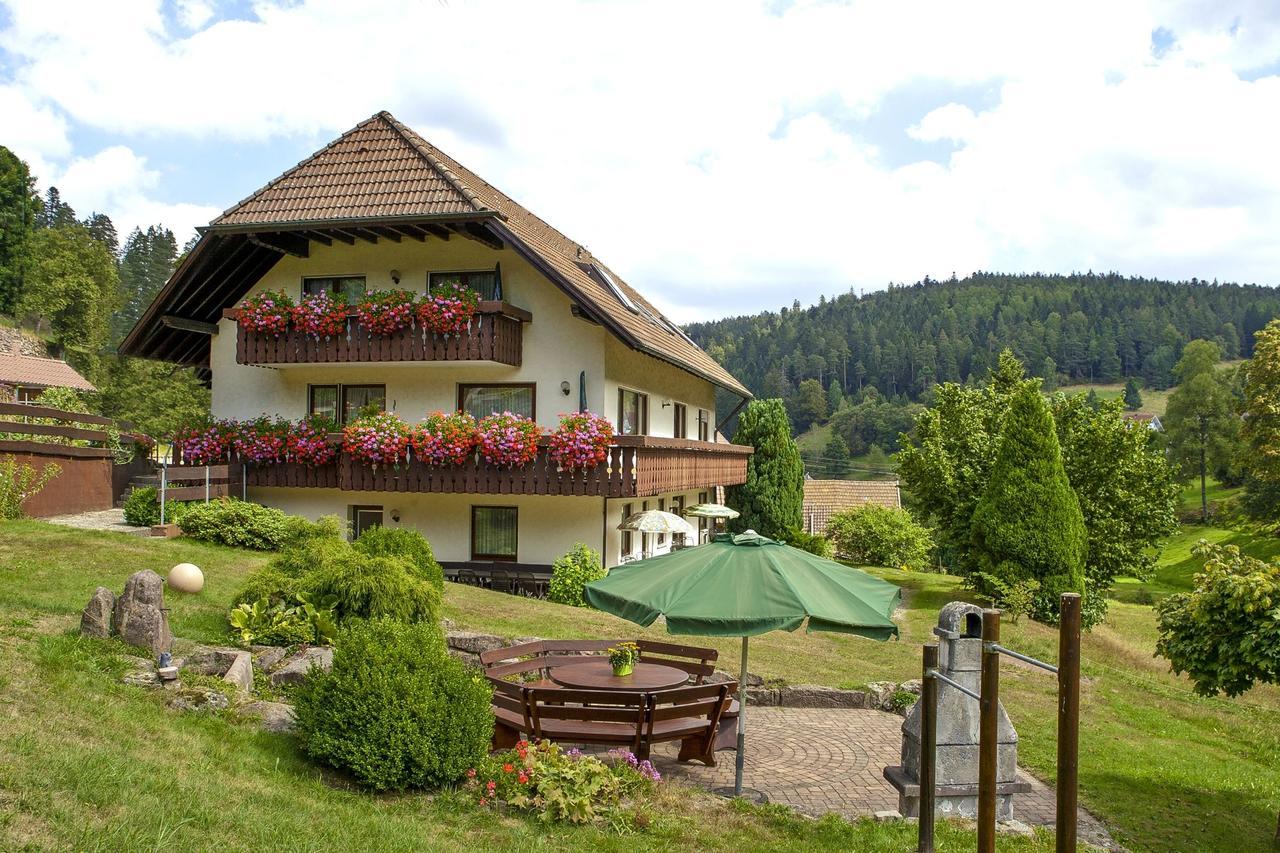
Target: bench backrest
587	706
698	662
540	655
708	701
512	698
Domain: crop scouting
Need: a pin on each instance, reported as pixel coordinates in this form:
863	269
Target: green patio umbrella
740	586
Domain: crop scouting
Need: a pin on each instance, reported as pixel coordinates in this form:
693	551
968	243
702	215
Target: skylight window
613	285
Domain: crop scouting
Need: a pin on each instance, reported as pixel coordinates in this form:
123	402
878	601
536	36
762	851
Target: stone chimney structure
959	633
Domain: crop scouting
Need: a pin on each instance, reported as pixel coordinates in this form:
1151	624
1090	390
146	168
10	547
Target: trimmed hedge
412	546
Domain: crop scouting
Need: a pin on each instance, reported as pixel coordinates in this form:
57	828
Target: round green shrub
142	507
811	542
368	587
238	523
299	531
875	535
411	545
396	711
573	571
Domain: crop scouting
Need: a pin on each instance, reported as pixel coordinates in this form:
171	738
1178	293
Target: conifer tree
771	500
19	209
1028	523
835	457
1132	396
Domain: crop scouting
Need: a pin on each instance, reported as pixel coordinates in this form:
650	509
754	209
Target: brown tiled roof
26	370
825	498
381	168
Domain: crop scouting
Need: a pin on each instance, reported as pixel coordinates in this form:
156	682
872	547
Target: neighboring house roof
382	171
31	371
1151	419
825	498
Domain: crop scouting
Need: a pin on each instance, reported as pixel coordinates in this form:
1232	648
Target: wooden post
928	746
1068	721
988	733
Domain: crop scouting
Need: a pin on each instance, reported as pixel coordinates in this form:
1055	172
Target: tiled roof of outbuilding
17	369
825	498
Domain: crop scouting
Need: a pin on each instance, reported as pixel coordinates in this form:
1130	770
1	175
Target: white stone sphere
186	577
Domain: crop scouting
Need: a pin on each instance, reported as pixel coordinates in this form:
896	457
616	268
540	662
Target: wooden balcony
495	334
637	467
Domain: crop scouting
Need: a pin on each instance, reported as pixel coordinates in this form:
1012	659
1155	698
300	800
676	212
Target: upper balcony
636	467
494	334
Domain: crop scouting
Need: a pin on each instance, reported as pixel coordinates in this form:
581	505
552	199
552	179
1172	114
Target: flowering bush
309	442
564	786
507	439
321	315
260	440
450	312
582	441
206	444
268	313
385	312
380	439
445	439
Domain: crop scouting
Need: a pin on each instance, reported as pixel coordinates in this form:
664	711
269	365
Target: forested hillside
1093	328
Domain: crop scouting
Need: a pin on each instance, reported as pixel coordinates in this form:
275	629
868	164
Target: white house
557	332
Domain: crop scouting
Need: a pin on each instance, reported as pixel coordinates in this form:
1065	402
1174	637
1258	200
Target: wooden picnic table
598	675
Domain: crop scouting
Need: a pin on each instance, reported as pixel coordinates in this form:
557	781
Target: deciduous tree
1200	421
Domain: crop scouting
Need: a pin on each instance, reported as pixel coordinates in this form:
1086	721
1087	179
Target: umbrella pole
742	723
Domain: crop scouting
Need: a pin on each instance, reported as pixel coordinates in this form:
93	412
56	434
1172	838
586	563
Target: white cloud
117	181
711	151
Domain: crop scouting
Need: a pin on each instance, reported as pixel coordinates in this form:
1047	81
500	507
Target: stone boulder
294	669
474	643
139	617
272	716
265	658
95	621
201	700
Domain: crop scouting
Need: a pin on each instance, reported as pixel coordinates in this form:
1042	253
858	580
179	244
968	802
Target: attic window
613	285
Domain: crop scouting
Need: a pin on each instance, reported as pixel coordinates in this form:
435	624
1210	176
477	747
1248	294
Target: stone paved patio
820	760
107	519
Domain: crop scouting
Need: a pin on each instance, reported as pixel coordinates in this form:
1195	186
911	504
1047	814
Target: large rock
265	658
272	716
95	621
240	673
199	699
139	617
294	669
473	642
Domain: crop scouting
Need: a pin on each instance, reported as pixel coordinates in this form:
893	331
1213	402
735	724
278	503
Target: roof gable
372	170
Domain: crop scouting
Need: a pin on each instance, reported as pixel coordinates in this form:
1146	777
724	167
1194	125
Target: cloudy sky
723	156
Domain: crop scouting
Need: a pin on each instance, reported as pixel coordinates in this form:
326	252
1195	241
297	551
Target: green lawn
1152	400
1165	769
88	763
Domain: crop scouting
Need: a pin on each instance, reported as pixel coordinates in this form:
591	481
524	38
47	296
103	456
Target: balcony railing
494	334
636	467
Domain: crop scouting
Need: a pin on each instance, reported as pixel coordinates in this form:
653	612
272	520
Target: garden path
820	760
105	519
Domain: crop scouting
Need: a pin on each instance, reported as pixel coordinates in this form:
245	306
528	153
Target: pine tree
104	231
1132	396
19	209
835	396
148	260
1050	374
835	457
1028	523
54	212
771	500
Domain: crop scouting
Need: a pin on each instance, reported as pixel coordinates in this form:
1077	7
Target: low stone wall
879	695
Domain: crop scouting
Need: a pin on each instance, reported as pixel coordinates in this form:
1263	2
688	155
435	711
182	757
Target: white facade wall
558	347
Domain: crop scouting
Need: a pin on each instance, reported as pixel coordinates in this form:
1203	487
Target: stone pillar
959	633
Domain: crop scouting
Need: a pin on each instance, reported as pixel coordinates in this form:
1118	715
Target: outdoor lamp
395	276
565	387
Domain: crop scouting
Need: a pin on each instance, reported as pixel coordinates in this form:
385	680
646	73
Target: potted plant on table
623	658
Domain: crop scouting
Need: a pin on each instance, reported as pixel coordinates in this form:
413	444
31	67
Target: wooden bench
533	662
691	715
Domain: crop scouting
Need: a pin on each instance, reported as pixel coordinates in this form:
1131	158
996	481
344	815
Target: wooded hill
903	340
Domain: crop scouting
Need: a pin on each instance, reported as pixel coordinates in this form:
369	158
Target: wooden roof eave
350	222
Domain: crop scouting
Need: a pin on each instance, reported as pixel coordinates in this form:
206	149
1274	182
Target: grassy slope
88	763
1166	769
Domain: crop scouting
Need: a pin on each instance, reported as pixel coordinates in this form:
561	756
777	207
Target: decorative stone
473	642
266	657
294	669
466	657
1015	827
887	816
199	700
142	678
272	716
186	577
167	673
139	617
240	673
95	621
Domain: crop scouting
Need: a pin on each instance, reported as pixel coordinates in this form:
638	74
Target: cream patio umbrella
656	522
